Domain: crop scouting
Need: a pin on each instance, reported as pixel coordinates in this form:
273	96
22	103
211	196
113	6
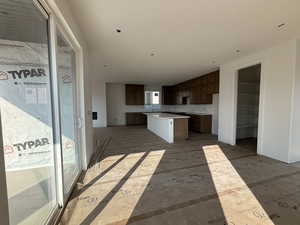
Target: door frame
58	20
77	124
83	112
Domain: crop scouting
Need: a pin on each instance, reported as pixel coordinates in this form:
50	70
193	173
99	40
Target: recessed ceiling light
119	30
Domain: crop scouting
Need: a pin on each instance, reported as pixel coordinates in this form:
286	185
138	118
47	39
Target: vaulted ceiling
167	41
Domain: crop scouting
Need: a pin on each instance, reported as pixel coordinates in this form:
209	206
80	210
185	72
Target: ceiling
169	41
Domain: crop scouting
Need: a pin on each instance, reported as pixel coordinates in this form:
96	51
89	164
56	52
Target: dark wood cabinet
195	91
200	123
200	96
168	97
195	95
135	94
213	83
135	119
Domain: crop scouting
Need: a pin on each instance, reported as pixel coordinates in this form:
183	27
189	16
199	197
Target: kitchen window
152	97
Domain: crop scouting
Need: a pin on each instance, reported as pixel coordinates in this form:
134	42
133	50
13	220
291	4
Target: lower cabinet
136	119
200	123
197	123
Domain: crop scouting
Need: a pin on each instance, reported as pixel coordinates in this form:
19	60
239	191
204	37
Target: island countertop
167	116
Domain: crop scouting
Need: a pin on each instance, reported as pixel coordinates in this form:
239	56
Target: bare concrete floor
142	180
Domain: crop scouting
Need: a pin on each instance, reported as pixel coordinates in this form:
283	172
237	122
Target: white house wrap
25	105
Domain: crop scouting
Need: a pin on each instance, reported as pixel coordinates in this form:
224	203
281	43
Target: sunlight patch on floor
241	206
133	189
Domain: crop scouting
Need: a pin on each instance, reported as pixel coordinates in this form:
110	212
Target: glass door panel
67	86
26	112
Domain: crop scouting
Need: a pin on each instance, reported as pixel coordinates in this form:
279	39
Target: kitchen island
170	127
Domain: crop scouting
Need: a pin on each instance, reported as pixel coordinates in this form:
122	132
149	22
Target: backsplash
210	109
172	108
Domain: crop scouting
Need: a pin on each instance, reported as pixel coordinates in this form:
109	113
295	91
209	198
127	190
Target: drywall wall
115	99
277	73
116	106
99	103
63	13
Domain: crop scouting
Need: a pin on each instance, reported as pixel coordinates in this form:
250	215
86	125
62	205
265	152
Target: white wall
99	103
277	74
116	105
115	98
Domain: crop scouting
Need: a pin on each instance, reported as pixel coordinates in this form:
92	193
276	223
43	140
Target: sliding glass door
38	112
66	68
26	112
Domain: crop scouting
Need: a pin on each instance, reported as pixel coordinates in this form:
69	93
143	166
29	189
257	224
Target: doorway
248	107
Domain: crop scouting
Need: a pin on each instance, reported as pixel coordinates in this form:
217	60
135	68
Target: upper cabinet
168	95
213	80
200	96
195	91
135	94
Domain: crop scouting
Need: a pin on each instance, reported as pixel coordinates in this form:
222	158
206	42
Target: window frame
57	21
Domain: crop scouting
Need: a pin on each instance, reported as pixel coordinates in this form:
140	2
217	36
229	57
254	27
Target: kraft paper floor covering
142	180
